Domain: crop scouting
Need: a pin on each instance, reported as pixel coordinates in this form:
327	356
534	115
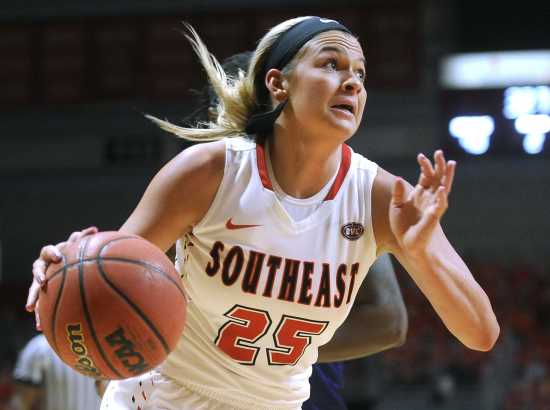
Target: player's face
326	88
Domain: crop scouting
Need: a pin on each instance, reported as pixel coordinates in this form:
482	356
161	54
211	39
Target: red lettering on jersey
305	294
252	272
290	278
274	263
340	285
231	265
235	254
323	294
238	335
292	337
354	270
214	266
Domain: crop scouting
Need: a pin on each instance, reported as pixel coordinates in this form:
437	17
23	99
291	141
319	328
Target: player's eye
331	64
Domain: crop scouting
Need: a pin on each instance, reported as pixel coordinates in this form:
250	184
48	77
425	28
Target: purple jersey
326	382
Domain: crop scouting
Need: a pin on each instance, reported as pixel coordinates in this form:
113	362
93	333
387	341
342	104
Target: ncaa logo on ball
352	231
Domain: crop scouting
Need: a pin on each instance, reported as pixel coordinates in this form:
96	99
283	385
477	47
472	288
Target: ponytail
237	97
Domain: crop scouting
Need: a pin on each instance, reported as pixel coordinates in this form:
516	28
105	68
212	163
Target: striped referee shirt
64	388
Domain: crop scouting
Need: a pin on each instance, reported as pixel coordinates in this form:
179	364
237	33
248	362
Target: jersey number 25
246	326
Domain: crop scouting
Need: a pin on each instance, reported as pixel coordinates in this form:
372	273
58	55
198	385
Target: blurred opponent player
44	382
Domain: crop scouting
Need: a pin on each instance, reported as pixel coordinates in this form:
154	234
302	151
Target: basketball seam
144	265
141	263
85	307
56	306
119	259
133	306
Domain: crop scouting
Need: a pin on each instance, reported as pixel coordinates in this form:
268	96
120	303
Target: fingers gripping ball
114	307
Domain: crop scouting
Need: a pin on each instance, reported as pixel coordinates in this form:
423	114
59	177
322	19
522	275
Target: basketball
114	307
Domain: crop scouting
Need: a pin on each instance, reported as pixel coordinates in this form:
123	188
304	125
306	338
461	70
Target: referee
44	382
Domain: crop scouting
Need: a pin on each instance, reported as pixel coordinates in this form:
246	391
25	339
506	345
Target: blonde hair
237	96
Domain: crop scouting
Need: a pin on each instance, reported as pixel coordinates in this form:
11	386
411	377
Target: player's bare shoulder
196	174
202	162
381	198
383	184
179	195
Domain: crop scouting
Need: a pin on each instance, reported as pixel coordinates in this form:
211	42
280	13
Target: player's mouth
345	109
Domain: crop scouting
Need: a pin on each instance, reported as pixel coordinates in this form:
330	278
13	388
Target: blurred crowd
515	375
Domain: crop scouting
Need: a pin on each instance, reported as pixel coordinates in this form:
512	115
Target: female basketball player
378	301
277	230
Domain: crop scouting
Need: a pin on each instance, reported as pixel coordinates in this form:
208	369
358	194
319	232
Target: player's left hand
49	254
415	214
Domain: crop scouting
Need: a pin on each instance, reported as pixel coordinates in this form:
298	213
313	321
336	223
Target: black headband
279	55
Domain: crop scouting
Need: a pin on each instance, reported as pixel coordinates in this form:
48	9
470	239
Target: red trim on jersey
342	172
345	163
262	167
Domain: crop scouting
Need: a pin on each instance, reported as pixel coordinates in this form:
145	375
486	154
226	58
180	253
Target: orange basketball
114	307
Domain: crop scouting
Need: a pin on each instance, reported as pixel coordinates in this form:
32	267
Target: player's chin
343	129
342	118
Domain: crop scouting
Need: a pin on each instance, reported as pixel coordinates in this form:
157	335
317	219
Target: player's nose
351	83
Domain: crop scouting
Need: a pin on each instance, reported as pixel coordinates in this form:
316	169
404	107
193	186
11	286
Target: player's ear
276	84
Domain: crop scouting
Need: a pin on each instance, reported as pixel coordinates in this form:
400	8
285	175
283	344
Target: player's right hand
49	254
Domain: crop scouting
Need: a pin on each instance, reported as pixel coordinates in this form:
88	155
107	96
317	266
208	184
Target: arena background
75	150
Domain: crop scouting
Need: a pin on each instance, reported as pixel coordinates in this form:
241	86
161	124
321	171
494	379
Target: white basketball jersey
64	388
265	290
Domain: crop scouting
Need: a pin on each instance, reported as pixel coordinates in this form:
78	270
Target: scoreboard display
496	104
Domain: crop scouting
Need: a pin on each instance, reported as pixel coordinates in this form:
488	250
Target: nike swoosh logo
230	225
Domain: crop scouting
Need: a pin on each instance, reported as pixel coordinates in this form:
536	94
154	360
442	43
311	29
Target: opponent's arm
406	223
377	321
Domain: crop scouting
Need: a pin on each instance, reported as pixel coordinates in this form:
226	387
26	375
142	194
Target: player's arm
179	195
25	397
175	200
377	321
406	223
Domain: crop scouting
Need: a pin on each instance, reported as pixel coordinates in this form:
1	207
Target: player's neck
302	166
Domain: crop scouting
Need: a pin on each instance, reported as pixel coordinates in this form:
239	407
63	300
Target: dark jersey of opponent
326	381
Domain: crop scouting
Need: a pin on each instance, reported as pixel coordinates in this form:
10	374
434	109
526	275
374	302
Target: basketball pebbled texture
114	307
